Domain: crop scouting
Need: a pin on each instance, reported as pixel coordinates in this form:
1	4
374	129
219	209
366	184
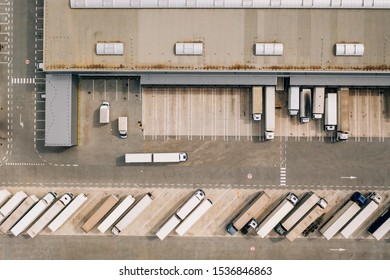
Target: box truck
257	103
194	216
269	113
318	102
12	204
277	214
155	157
293	101
98	215
134	212
343	122
33	214
190	204
104	113
305	105
122	127
330	119
4	195
251	210
49	215
381	226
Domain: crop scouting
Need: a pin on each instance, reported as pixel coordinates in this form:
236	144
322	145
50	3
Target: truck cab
251	224
359	198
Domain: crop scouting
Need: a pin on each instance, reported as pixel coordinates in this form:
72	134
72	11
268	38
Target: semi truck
12	204
277	214
295	215
330	119
168	226
122	127
251	210
363	215
49	215
318	102
104	113
123	223
194	216
343	122
307	220
119	210
343	216
381	226
155	157
305	105
4	195
69	210
18	213
269	113
257	103
33	214
190	204
98	215
293	101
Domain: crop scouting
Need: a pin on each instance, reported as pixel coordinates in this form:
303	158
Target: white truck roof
293	100
318	102
193	217
190	204
12	204
139	158
167	227
4	195
104	112
169	157
330	118
269	112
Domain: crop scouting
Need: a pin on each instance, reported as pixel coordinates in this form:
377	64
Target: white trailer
257	103
343	114
169	157
18	213
116	214
133	214
68	212
307	220
269	113
4	195
33	214
339	220
381	226
318	102
12	204
104	113
168	226
277	214
139	158
362	216
49	215
190	204
293	101
330	119
194	217
300	210
122	127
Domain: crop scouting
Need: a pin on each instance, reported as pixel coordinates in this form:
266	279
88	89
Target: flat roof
149	35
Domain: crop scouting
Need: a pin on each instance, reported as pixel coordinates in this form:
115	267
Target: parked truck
119	210
194	216
343	216
343	122
11	205
168	226
49	215
33	214
155	157
293	101
318	102
251	210
4	196
276	215
98	215
257	103
22	209
330	119
122	127
269	113
313	214
104	113
305	105
381	226
295	215
141	205
69	210
363	215
190	204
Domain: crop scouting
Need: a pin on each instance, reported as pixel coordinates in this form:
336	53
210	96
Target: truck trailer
168	226
68	212
330	119
133	214
269	113
190	204
33	214
276	215
343	122
104	113
305	105
381	226
318	102
122	127
11	205
155	157
49	215
307	220
293	101
257	103
194	216
251	210
4	195
363	215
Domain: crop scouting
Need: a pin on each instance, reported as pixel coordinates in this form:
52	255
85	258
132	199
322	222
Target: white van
122	127
105	112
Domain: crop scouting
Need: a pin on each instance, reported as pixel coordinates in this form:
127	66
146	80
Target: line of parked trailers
292	217
305	103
